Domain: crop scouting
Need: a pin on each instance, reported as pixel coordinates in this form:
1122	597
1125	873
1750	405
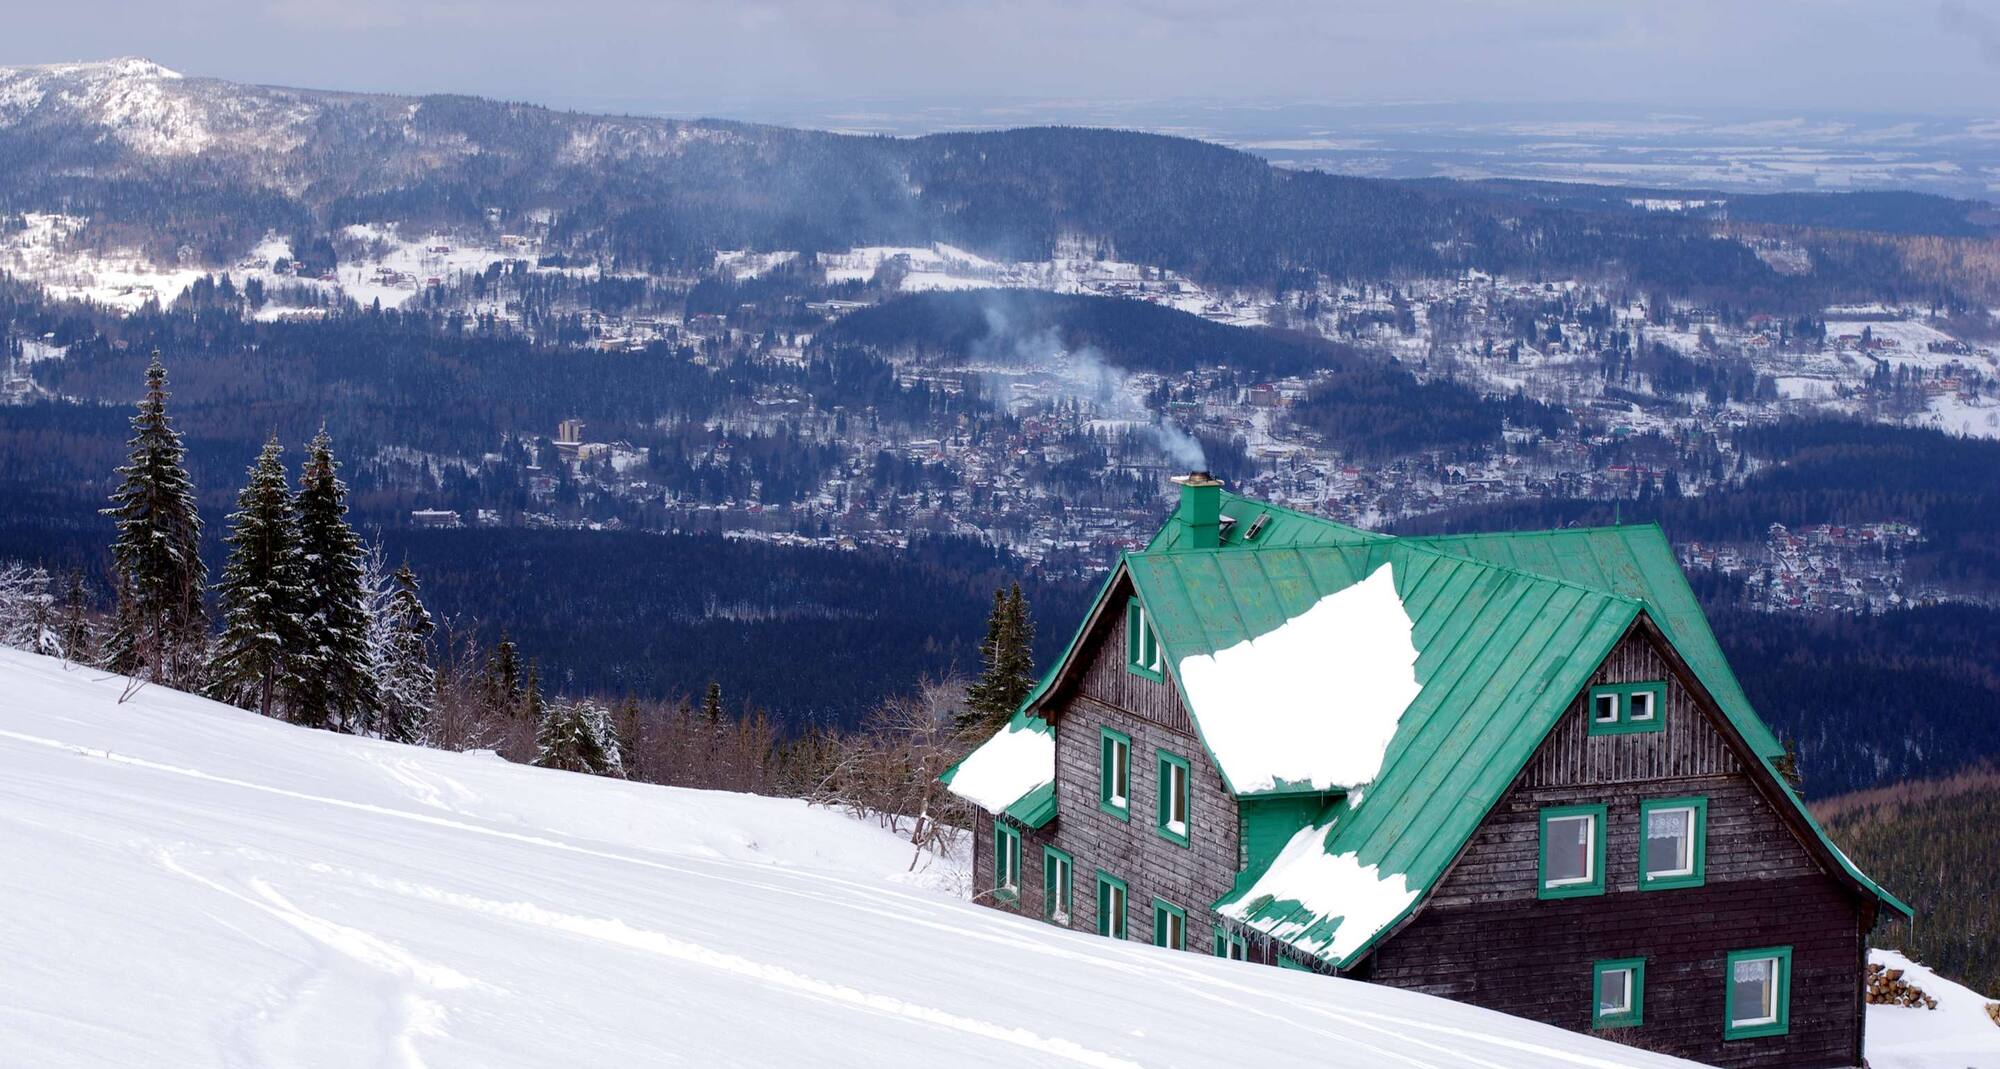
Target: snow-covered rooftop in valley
1957	1033
190	884
1313	704
1327	886
1019	759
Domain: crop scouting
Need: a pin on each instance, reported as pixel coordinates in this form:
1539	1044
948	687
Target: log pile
1993	1011
1886	987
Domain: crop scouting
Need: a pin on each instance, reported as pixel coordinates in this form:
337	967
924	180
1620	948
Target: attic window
1628	708
1142	644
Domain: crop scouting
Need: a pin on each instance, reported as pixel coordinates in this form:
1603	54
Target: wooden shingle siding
1484	936
1191	876
1688	747
1106	680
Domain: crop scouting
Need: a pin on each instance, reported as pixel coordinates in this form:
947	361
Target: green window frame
1169	925
1633	1012
1230	945
1114	773
1142	643
1113	900
1058	886
1778	1020
1694	872
1572	887
1627	708
1176	793
1006	863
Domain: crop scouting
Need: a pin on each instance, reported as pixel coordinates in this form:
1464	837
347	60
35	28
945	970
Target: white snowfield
186	884
1956	1034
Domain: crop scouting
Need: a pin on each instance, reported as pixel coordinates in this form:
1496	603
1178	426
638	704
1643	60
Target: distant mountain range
200	169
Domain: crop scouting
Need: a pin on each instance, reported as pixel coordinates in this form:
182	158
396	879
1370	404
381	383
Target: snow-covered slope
186	884
1957	1033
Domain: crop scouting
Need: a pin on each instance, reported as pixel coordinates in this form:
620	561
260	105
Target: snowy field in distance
191	885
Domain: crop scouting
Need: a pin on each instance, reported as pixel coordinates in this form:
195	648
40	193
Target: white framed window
1604	708
1759	992
1618	993
1672	847
1173	815
1114	788
1572	851
1006	862
1640	707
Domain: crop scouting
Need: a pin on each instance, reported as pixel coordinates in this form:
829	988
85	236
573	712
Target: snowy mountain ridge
190	884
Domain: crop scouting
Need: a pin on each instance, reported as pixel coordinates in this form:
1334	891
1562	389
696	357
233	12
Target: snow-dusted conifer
27	610
399	645
340	691
576	736
262	653
161	629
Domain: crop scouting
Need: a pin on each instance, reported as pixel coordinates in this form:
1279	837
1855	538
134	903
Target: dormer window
1142	644
1628	708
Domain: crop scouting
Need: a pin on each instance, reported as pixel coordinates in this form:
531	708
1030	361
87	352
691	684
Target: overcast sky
1925	56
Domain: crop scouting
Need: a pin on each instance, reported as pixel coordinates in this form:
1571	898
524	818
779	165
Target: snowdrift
187	884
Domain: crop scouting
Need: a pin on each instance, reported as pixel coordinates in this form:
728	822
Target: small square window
1760	994
1572	851
1627	708
1618	993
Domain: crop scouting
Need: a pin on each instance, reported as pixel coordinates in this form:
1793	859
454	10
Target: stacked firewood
1886	987
1993	1011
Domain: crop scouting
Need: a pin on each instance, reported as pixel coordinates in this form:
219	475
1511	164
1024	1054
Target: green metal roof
1508	628
1637	562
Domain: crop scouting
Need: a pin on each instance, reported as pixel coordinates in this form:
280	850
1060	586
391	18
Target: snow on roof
1313	704
1007	766
1361	899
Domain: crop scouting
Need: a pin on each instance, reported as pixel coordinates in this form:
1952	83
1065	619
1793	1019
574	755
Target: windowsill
1623	1020
1572	890
1755	1031
1153	674
1122	812
1669	883
1167	832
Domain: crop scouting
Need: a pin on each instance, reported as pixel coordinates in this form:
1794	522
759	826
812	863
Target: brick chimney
1201	509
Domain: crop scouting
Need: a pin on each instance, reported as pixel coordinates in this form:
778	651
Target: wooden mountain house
1508	769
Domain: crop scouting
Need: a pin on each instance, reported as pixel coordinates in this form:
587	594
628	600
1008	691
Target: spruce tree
711	703
404	677
576	736
340	692
531	702
503	675
1008	659
161	628
262	652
